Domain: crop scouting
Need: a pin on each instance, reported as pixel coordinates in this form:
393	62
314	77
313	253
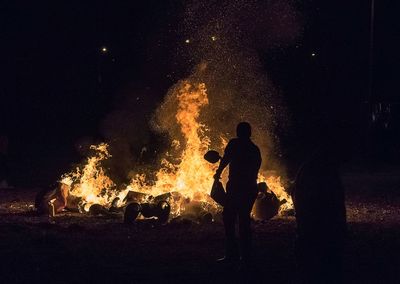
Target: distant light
213	38
313	54
187	40
104	49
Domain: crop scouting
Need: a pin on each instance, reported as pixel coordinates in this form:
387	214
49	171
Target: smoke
224	40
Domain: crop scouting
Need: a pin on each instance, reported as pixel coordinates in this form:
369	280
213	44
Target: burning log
131	212
197	211
135	196
114	206
173	196
164	209
148	210
159	210
97	209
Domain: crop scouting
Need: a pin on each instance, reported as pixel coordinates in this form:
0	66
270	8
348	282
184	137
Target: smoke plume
222	41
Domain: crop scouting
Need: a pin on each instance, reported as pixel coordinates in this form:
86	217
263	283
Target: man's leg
229	217
245	228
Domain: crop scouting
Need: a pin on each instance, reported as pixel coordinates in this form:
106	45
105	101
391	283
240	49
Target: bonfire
181	185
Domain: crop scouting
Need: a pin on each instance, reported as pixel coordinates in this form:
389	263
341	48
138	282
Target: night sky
57	85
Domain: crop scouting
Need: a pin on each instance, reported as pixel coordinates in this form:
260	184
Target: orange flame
191	177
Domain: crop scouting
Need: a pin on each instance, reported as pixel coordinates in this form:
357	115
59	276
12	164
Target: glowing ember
191	177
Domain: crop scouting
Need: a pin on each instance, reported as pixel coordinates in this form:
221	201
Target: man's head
243	130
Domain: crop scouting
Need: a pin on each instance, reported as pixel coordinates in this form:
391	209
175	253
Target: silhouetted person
321	216
244	160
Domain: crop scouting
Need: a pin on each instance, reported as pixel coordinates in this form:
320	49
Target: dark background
57	86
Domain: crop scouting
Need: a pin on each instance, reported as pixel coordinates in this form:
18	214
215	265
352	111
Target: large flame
191	176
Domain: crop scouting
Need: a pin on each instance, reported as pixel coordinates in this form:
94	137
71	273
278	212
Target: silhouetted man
244	160
321	216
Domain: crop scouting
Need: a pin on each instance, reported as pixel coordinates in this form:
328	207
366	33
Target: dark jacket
244	160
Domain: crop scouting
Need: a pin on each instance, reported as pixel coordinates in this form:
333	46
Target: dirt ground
78	248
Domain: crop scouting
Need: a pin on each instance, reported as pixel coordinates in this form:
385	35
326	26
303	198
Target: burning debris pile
181	186
198	114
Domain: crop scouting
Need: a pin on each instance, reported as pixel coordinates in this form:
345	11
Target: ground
77	248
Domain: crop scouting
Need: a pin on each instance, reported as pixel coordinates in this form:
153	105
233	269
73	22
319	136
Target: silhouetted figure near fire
244	160
320	215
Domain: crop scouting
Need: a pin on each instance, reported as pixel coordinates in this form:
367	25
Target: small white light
104	49
313	54
187	41
213	38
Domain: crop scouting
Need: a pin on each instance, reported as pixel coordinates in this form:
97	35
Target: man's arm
226	159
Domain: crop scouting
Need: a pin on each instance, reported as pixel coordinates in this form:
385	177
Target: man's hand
217	175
